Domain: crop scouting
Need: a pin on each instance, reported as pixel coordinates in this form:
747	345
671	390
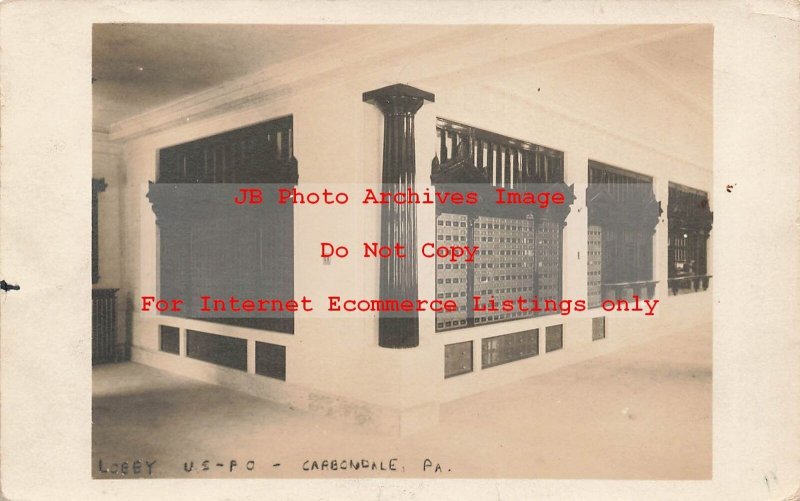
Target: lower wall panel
676	314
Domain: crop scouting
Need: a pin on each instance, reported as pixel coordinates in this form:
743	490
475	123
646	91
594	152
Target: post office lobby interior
615	119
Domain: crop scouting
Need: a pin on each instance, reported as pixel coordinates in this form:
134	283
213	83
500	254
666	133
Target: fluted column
398	276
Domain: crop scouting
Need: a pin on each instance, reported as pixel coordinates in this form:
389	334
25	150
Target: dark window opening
271	360
216	349
169	339
623	213
209	246
690	221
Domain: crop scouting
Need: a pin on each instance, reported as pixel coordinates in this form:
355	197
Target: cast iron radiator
104	325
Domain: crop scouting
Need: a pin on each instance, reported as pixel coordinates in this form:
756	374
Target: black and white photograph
481	255
554	231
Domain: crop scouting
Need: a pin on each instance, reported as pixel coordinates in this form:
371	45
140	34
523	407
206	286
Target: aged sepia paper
349	250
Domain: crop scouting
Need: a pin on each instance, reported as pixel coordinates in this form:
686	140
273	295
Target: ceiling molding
627	138
613	39
370	54
101	143
339	62
655	74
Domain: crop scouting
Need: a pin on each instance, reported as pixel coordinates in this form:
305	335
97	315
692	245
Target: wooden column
398	276
98	186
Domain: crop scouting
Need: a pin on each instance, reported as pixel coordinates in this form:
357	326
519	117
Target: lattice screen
548	259
451	278
499	350
595	262
504	265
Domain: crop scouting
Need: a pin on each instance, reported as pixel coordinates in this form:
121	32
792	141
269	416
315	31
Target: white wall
641	138
591	107
107	164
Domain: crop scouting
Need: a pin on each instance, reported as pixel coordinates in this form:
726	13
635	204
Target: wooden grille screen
260	153
690	221
496	159
622	213
520	247
211	247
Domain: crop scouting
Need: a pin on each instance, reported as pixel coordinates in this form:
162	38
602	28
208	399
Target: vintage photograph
402	251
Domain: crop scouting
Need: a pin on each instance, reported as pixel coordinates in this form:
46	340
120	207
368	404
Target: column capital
398	99
99	184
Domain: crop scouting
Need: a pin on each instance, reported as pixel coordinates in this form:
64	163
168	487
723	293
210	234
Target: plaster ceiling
141	66
137	67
